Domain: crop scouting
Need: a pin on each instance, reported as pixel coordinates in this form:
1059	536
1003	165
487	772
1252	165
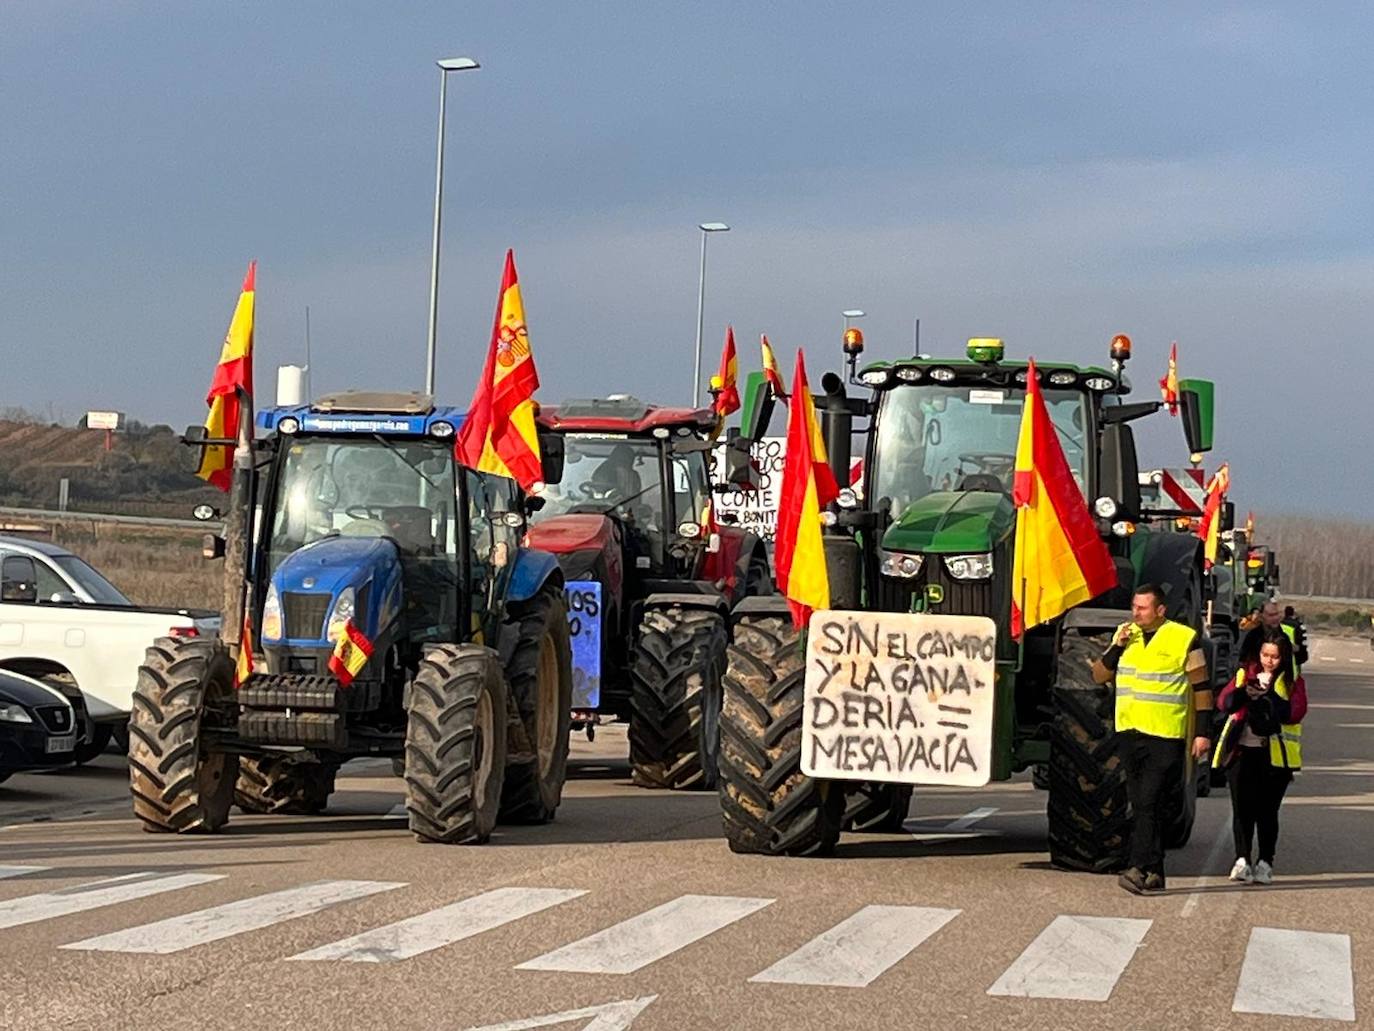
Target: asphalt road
631	897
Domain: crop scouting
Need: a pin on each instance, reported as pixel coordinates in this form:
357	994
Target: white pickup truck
64	623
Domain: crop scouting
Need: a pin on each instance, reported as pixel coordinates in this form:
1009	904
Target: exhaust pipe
837	422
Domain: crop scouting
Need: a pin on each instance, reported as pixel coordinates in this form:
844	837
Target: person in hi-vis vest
1163	695
1260	747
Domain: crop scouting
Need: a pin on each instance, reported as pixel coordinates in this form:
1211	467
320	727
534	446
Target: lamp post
449	64
707	228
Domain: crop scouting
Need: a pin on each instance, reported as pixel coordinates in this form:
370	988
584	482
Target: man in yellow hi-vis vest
1163	695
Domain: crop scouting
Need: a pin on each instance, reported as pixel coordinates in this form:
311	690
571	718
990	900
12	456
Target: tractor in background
651	578
350	517
930	544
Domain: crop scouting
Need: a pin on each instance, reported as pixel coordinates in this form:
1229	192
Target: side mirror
1197	401
739	463
552	454
1120	479
1228	516
533	504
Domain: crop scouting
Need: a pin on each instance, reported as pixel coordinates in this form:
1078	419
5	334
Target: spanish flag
808	485
771	372
499	435
1210	527
1168	386
724	382
243	668
231	387
1059	561
351	653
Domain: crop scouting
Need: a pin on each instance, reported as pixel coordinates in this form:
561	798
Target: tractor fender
761	605
530	572
1094	620
710	600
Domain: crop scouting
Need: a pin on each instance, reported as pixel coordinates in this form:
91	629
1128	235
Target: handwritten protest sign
757	510
905	697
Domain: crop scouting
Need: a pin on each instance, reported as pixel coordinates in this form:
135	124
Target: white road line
1327	658
635	943
1316	979
1360	661
399	809
443	926
20	871
856	951
94	894
969	819
1076	957
181	932
1213	858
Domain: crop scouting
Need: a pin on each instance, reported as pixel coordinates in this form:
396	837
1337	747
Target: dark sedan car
37	726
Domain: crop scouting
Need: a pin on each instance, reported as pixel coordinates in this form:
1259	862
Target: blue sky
1050	173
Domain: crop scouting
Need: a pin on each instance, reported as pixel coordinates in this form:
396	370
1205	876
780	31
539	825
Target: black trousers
1257	790
1154	766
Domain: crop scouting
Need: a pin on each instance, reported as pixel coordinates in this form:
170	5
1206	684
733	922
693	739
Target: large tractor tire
1089	819
767	804
539	678
676	667
178	784
283	784
455	744
875	807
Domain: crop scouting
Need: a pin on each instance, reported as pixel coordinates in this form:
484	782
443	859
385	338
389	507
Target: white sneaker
1242	872
1264	873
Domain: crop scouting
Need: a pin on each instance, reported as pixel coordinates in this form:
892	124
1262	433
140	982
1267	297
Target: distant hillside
147	471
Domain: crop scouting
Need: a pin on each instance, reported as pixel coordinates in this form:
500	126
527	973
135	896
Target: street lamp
707	228
449	64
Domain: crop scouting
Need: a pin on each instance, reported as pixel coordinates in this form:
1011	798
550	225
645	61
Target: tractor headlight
442	430
1105	508
344	607
970	567
847	498
271	616
903	566
288	425
14	714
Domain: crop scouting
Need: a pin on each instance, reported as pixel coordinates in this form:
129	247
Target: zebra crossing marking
1317	980
20	871
30	909
969	819
646	938
443	926
859	949
174	934
1075	957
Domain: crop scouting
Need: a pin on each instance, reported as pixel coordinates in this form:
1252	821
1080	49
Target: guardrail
53	515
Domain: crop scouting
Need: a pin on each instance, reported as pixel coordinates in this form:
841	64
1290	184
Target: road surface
629	911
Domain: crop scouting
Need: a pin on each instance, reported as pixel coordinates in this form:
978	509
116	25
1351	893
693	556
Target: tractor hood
331	564
567	533
952	523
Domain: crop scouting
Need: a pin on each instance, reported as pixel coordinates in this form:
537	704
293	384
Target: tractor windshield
941	438
367	487
620	476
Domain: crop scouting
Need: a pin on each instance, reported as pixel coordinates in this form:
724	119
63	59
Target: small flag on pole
771	372
1168	386
231	388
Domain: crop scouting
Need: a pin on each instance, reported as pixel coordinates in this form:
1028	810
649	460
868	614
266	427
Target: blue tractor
350	518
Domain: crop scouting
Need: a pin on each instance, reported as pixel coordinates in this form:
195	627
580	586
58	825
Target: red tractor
650	579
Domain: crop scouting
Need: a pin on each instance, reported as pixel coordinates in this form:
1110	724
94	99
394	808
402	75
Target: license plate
65	743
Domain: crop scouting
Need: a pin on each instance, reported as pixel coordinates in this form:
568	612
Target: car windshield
102	592
618	476
366	487
937	438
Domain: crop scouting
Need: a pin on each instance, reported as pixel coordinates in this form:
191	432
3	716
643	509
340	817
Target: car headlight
14	714
1105	508
344	608
899	565
970	567
271	615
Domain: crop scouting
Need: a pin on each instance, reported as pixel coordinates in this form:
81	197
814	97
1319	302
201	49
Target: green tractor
913	677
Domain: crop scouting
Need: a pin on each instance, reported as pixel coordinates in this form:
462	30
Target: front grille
305	614
961	597
56	718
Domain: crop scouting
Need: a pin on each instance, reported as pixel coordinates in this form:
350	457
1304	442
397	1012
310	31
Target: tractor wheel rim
481	752
546	706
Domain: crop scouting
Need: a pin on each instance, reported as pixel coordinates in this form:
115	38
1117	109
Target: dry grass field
152	567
